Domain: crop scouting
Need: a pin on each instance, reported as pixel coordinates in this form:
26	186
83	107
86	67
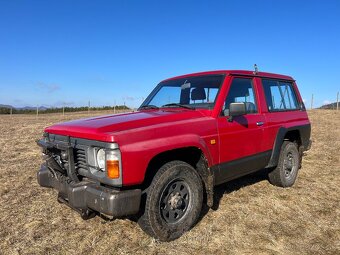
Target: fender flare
274	158
202	166
304	132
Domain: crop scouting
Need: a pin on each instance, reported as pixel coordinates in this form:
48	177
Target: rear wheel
285	173
173	202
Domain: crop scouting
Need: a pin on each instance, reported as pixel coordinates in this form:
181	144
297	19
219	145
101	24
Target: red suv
192	132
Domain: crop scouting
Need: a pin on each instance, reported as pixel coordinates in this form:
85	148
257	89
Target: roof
237	72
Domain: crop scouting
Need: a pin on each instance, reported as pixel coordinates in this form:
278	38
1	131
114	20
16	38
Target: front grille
80	159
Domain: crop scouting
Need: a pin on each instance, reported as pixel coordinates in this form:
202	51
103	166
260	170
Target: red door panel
240	138
243	136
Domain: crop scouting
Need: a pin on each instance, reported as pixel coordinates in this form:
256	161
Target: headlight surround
108	161
101	162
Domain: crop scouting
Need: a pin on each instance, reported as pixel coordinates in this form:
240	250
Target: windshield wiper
179	105
149	106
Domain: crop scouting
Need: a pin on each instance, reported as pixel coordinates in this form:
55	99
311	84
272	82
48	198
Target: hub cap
289	165
174	201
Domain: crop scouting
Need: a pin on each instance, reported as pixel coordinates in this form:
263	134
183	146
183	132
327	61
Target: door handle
260	123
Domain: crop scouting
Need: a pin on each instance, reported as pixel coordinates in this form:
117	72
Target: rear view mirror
186	85
237	109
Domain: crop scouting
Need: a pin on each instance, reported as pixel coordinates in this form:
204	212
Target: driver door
241	140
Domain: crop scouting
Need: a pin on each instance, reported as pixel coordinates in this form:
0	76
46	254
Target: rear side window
280	95
241	90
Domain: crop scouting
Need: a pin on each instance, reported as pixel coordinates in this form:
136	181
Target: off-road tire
154	219
289	159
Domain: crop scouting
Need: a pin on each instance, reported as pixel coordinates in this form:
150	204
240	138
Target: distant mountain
6	106
329	106
41	108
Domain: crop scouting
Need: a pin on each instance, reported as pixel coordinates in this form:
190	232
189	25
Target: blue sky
55	52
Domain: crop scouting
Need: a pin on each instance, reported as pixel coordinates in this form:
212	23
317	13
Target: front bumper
85	195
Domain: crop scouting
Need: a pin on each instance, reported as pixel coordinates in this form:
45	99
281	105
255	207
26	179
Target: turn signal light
112	169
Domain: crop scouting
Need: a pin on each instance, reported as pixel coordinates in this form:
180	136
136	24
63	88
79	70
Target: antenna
256	70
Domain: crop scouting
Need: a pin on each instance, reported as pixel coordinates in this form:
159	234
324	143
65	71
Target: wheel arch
298	134
192	155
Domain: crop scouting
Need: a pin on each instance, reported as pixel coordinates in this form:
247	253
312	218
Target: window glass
166	95
196	91
241	91
289	96
280	95
211	94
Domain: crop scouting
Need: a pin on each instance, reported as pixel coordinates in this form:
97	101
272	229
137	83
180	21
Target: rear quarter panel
285	119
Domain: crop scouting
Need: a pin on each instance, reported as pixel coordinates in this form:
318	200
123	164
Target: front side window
280	95
196	92
241	91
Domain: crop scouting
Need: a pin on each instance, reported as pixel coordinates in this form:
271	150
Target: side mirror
236	109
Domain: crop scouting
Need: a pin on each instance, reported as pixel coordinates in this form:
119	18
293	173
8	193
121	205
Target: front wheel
174	201
285	173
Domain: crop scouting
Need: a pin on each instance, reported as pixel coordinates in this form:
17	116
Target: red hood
102	128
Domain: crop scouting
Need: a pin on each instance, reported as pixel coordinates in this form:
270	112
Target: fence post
337	101
11	111
311	103
37	111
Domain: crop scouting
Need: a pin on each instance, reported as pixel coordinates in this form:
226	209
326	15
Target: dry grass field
251	216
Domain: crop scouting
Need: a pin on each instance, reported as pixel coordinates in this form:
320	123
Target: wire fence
42	110
330	106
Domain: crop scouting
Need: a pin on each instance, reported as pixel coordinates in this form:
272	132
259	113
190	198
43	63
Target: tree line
6	110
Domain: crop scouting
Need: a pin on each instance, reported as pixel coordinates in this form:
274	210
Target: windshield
189	92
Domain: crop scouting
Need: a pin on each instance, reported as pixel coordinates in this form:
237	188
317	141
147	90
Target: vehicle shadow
234	185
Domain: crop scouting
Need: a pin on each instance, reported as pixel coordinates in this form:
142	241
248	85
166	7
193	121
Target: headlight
110	162
101	159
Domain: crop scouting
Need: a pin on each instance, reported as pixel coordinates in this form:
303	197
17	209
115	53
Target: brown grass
252	216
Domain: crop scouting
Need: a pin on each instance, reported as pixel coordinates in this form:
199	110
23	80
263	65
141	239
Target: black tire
176	189
285	173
